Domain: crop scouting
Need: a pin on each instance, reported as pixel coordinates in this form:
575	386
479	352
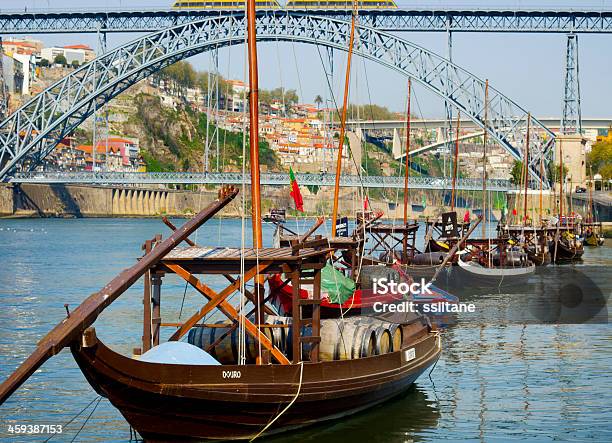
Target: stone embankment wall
53	200
57	200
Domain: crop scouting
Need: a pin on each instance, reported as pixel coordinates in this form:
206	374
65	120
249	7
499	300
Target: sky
528	68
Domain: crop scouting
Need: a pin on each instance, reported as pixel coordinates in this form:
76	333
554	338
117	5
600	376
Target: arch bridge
29	134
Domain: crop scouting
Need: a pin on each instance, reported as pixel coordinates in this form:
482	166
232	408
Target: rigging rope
75	417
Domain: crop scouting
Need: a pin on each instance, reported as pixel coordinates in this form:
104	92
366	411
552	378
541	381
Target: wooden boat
166	402
563	250
275	216
474	272
538	257
591	239
437	246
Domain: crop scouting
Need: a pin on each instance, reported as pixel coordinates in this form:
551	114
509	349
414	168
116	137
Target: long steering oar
82	317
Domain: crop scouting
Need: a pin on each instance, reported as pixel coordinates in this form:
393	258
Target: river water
495	381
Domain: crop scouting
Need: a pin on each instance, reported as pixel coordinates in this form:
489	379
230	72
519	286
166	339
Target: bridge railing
236	178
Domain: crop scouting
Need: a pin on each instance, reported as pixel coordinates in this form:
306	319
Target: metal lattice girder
31	133
571	122
438	19
236	178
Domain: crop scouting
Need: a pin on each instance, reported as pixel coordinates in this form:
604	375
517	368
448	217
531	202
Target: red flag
295	191
514	212
466	217
366	203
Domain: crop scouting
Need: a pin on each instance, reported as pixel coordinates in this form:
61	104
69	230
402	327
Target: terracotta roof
84	47
24	44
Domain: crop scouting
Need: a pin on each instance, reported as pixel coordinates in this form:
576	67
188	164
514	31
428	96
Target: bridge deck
440	19
275	179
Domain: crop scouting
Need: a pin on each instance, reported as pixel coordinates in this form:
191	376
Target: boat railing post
316	315
296	313
146	301
156	282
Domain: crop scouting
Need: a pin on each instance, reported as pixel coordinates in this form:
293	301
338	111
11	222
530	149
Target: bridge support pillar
141	203
128	202
147	203
123	205
163	203
571	122
397	144
355	140
574	159
156	202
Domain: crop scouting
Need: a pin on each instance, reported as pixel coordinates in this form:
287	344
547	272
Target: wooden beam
250	295
171	226
215	299
226	308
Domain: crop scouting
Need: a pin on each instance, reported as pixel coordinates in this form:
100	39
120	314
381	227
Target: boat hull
562	252
166	402
474	275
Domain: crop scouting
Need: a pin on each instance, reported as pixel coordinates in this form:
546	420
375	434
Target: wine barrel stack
341	339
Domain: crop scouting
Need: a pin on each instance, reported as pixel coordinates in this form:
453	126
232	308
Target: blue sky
526	67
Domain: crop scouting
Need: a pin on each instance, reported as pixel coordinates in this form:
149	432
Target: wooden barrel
383	339
226	352
345	340
396	336
283	337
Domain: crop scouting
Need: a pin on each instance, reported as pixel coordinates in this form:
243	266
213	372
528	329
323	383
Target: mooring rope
286	407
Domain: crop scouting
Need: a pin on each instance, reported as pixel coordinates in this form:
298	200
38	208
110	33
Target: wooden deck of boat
210	259
332	242
390	228
201	253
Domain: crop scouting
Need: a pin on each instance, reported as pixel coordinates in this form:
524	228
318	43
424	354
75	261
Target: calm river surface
494	382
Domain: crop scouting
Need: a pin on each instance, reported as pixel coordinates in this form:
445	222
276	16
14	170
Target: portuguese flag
295	191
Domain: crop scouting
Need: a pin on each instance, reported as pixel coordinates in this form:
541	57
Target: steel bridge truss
32	132
441	20
236	178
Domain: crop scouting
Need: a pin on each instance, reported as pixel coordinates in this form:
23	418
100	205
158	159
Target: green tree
75	64
554	172
600	159
44	63
60	60
318	100
516	174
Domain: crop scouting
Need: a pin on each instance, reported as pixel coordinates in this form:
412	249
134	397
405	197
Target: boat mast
591	212
456	160
560	181
407	171
526	168
484	160
256	217
343	120
541	183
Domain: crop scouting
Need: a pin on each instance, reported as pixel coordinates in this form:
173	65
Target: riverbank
87	201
